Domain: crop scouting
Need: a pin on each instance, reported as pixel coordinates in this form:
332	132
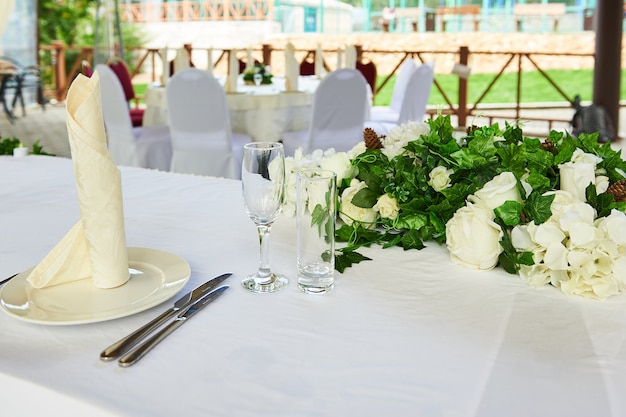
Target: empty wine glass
258	78
263	185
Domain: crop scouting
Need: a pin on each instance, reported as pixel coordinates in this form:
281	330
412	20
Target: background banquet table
406	334
264	112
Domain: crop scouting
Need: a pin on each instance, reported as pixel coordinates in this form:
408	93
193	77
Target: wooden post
267	54
60	77
462	109
607	67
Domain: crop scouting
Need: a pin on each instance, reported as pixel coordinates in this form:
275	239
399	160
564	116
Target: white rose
580	156
561	199
547	233
556	256
440	178
340	164
400	136
357	150
494	193
614	226
316	194
602	184
473	238
575	177
537	275
522	239
350	213
387	206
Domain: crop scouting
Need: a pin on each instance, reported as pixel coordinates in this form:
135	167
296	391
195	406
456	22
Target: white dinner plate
155	277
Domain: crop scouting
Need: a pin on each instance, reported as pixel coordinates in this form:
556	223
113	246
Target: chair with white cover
340	107
409	99
202	140
146	146
391	112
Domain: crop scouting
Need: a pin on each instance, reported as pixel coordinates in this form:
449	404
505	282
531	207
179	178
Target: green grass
535	87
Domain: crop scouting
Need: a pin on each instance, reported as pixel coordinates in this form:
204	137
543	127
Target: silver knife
140	350
122	345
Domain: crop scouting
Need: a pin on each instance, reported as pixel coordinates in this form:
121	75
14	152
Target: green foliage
8	144
470	161
535	87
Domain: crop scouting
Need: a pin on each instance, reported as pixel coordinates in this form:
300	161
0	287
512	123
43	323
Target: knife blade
140	350
123	345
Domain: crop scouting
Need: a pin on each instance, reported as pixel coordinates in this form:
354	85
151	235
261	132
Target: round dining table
264	112
407	333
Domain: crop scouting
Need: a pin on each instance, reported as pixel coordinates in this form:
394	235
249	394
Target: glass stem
264	240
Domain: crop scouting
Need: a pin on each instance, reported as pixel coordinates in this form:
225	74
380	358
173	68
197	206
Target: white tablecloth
264	112
407	334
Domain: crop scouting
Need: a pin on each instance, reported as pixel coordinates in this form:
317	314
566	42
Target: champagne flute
258	78
263	186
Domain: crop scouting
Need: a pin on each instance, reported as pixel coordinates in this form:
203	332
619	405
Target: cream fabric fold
350	57
210	64
340	53
96	246
249	60
319	61
181	62
233	72
292	69
165	70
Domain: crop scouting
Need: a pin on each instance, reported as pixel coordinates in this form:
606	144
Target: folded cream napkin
350	56
181	62
166	66
95	247
340	58
233	72
319	61
292	69
210	65
249	60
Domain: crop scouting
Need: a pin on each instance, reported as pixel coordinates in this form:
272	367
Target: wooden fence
146	62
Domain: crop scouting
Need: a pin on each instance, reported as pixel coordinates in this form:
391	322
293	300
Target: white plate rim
155	258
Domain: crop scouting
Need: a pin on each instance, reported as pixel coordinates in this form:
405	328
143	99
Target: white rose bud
340	164
440	178
387	206
350	213
473	238
494	193
575	177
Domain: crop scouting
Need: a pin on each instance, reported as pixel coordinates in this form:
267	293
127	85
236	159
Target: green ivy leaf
537	207
510	212
365	198
346	259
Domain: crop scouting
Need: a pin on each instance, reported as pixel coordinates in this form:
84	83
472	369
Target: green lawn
535	88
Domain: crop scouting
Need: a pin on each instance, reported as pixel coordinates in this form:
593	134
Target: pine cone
618	190
371	138
548	145
471	129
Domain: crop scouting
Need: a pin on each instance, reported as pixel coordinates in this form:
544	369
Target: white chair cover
340	105
202	140
146	147
391	113
413	104
350	56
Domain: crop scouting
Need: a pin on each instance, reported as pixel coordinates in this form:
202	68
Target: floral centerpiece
248	74
549	210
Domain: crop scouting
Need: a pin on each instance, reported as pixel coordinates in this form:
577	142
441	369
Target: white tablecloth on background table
407	334
264	112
